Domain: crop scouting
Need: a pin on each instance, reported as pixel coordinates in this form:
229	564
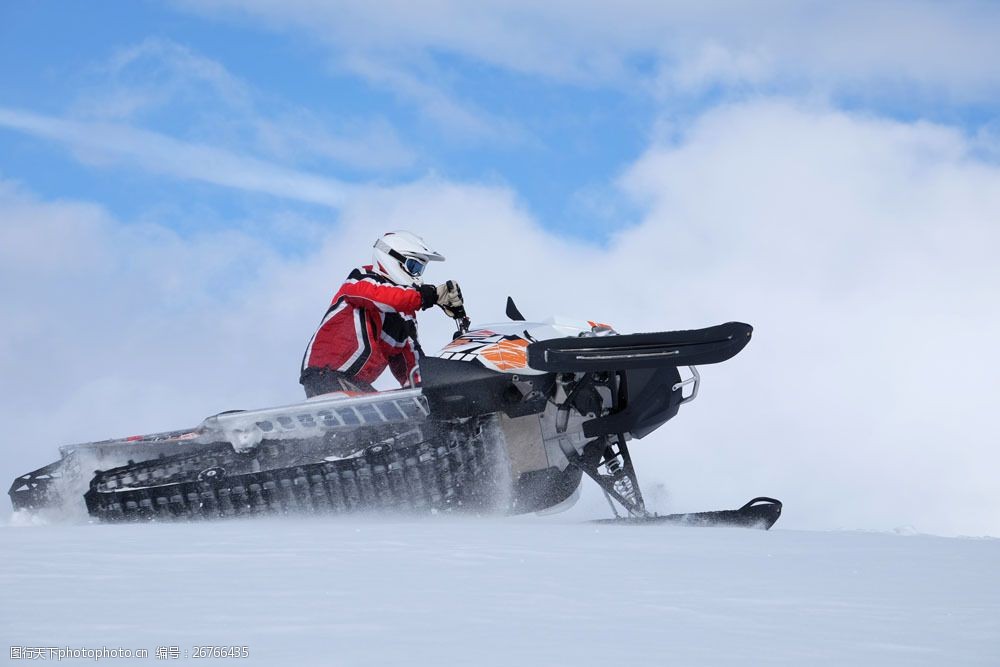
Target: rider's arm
370	295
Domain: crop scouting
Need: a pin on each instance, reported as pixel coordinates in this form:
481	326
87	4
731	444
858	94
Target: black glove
428	296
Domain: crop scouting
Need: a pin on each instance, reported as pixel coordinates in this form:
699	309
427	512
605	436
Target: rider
372	321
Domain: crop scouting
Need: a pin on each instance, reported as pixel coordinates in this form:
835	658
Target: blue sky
559	134
558	144
184	184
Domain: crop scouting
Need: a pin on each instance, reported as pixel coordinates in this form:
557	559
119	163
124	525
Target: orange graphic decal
470	337
458	342
507	354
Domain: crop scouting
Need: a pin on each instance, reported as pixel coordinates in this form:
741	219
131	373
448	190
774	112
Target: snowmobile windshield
414	266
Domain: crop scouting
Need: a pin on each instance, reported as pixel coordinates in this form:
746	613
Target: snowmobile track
416	478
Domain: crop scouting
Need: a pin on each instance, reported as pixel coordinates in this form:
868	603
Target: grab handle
694	380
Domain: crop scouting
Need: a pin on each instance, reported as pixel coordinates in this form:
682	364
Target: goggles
412	265
415	267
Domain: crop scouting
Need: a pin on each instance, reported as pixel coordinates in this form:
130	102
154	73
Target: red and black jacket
370	324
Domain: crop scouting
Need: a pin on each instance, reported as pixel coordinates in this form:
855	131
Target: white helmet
402	257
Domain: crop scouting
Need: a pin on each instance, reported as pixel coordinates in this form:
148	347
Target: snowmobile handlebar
461	319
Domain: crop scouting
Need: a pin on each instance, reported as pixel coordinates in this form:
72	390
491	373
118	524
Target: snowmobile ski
761	513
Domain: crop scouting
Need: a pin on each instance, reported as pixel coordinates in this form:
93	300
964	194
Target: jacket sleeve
367	294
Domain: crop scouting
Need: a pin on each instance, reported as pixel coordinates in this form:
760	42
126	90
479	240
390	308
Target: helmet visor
415	267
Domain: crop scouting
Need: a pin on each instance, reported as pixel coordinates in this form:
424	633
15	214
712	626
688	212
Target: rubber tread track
421	478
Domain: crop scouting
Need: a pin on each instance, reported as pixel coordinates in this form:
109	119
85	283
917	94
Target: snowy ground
502	592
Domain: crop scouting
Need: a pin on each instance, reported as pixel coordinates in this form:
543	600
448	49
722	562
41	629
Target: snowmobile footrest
761	512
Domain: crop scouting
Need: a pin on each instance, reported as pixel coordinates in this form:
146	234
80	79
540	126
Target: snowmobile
507	418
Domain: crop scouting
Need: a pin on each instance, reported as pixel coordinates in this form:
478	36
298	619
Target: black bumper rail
644	350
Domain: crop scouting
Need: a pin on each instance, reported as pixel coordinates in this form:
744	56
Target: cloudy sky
184	184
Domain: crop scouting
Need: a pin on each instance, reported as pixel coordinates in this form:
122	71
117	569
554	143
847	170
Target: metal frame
695	379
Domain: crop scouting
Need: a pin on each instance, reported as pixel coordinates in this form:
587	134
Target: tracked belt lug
446	473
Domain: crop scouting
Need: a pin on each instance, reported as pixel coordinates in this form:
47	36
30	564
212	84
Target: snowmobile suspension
607	461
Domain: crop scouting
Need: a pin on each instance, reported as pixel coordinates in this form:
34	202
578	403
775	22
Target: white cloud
300	137
462	120
860	249
711	64
111	143
160	78
910	47
156	70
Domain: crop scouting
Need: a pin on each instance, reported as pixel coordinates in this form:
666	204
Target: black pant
318	381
